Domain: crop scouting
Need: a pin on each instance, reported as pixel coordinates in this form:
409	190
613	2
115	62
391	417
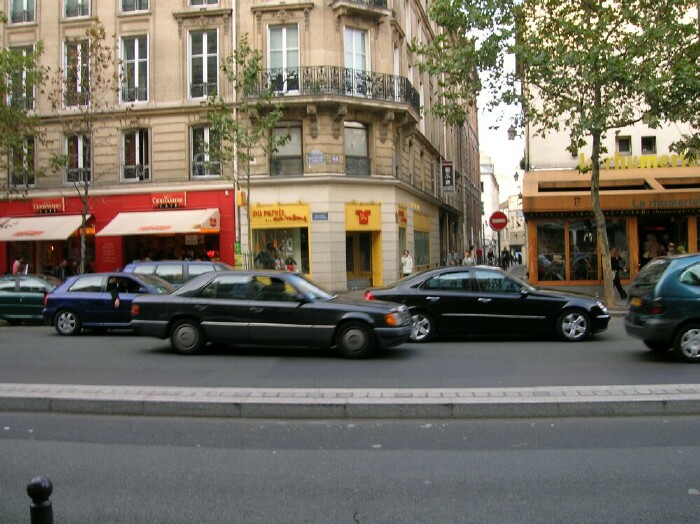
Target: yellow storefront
280	234
363	244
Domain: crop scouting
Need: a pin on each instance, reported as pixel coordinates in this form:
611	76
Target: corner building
367	171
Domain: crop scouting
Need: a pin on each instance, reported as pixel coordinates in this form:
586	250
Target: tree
82	95
242	131
586	68
21	77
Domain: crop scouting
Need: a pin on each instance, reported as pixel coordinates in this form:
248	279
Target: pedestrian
617	265
671	249
468	259
62	270
406	263
479	255
18	265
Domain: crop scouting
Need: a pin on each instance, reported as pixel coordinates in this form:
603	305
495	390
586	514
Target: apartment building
367	170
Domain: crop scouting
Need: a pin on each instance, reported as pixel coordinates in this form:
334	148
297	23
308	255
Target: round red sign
498	220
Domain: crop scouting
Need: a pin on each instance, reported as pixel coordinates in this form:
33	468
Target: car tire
423	327
687	342
187	337
573	325
355	340
658	346
67	322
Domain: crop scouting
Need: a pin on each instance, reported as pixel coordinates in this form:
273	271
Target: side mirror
524	292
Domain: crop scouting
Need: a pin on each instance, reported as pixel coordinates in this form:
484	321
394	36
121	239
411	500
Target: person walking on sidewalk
617	265
406	263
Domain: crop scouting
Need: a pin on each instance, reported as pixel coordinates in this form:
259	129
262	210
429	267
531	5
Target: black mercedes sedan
273	308
463	301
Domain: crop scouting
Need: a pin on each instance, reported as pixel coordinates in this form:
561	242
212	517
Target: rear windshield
651	273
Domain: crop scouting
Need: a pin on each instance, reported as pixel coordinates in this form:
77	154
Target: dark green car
22	296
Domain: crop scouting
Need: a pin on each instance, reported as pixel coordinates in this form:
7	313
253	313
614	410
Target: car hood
566	295
378	305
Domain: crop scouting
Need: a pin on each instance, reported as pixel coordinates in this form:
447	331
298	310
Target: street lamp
511	133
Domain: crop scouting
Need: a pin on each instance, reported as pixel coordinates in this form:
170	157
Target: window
88	284
583	250
136	159
134	5
493	282
204	63
22	11
203	2
356	62
459	281
623	145
284	58
21	93
421	240
288	159
78	170
204	163
277	246
75	8
648	145
23	166
135	69
616	229
77	73
357	160
550	251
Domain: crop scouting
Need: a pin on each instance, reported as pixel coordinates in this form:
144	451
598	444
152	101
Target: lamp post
511	133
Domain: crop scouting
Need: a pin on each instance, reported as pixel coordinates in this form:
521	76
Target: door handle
432	299
256	309
485	300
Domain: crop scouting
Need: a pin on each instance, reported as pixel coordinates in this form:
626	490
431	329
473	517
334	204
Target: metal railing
200	90
132	94
79	174
357	165
335	80
136	172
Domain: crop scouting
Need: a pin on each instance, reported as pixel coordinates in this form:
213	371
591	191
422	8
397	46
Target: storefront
646	209
363	244
280	234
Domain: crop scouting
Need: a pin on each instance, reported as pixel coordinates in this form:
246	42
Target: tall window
135	69
79	169
21	94
23	166
204	63
288	160
134	5
204	162
284	57
551	255
357	160
356	61
75	8
136	156
22	11
77	73
583	250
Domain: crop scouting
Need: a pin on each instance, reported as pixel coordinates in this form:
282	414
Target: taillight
369	296
657	306
46	299
135	310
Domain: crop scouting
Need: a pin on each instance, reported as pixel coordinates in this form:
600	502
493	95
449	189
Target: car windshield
309	289
160	286
651	273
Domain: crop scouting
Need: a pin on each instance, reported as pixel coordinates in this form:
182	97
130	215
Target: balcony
202	90
78	175
135	173
334	80
206	169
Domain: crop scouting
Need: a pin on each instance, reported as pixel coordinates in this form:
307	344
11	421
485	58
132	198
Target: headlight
602	306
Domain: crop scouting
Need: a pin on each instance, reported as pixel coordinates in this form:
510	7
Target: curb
536	402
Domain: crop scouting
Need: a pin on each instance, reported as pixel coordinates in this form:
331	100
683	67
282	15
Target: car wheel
355	340
187	338
658	346
687	343
423	327
573	325
67	322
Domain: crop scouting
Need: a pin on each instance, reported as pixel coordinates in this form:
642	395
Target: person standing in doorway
406	263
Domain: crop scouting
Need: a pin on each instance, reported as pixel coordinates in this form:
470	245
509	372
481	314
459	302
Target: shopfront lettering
618	162
168	200
48	206
278	215
657	203
154	228
35	233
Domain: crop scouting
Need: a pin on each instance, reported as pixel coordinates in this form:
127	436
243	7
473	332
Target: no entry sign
498	220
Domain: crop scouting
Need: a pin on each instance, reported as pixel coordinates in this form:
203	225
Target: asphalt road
37	355
140	469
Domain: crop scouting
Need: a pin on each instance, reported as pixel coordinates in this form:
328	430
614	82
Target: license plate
636	301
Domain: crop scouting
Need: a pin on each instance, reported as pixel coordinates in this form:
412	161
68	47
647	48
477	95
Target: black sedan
98	301
22	296
484	300
268	308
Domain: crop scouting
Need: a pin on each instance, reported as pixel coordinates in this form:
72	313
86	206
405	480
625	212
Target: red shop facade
120	229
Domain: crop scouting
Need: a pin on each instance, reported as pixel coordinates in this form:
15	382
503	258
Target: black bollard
39	490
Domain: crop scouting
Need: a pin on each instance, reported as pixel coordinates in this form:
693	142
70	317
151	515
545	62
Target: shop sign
671	203
448	177
48	205
363	217
402	216
618	161
280	215
169	200
315	157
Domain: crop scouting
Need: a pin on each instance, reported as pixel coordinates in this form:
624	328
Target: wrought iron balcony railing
204	169
335	80
136	173
201	90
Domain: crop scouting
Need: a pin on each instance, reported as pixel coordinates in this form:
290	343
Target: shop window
285	248
78	170
77	73
648	145
204	159
20	94
22	11
288	159
421	241
136	156
283	58
617	237
623	145
129	6
76	8
583	250
23	166
134	69
551	256
357	161
204	63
